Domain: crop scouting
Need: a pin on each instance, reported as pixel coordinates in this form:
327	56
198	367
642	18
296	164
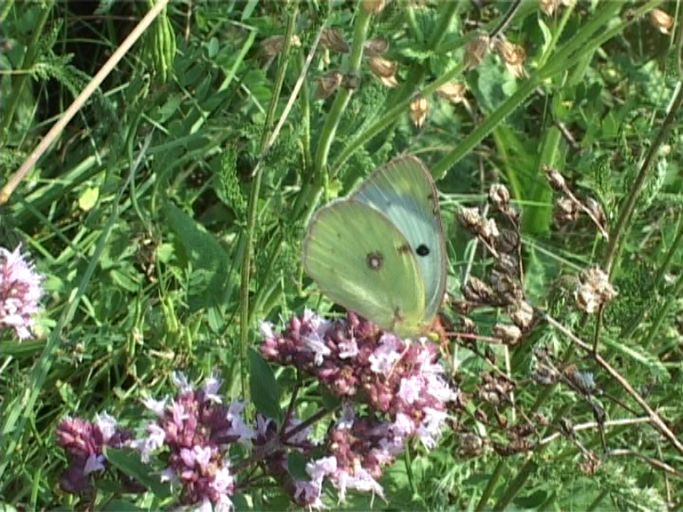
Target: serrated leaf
265	391
653	364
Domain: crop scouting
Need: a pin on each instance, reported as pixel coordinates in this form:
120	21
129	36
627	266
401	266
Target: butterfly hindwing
362	261
404	191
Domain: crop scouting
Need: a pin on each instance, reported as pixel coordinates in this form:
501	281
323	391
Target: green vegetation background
167	231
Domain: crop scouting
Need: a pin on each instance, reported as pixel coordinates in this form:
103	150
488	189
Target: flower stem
253	203
626	212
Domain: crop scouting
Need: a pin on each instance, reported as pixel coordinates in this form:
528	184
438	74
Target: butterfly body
380	252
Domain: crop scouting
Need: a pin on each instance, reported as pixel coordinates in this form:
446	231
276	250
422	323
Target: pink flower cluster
196	429
353	358
20	292
84	442
400	380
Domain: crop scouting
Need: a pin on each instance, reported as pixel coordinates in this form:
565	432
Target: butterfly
380	252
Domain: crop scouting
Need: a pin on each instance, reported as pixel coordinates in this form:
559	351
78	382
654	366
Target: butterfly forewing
361	261
404	191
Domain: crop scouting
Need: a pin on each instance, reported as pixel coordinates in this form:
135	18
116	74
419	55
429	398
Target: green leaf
208	260
128	461
296	465
265	390
121	506
88	198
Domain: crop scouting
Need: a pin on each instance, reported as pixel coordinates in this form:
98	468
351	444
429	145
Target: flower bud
327	84
477	51
384	69
332	39
418	111
376	47
661	21
452	91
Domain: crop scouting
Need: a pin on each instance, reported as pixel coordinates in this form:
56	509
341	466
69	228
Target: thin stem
253	203
657	421
507	19
626	212
663	311
80	100
657	280
19	82
307	197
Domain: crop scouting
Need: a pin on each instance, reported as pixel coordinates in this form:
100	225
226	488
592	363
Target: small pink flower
20	292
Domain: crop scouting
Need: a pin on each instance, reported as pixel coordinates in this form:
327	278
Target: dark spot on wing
422	250
375	260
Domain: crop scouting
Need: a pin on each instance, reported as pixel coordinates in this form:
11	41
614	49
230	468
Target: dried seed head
419	108
453	92
507	264
469	445
376	47
594	290
351	81
555	179
327	84
476	290
273	45
583	381
373	6
513	55
522	314
590	463
460	306
508	334
545	375
499	196
661	21
566	211
549	6
470	218
507	241
597	212
332	39
477	51
384	69
505	287
467	325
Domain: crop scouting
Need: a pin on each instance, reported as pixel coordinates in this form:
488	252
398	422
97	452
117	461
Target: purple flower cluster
84	442
353	358
196	429
400	380
20	292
